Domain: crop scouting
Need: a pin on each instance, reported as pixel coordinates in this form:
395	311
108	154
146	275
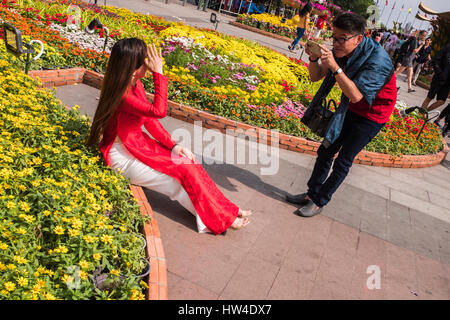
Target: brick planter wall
211	121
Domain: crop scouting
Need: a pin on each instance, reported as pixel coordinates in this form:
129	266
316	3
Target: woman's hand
154	61
183	152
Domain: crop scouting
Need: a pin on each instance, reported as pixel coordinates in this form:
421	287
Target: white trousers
142	175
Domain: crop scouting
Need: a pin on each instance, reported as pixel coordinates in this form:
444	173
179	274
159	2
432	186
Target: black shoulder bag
320	119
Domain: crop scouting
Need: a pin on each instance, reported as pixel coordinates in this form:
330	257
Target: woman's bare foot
244	213
240	223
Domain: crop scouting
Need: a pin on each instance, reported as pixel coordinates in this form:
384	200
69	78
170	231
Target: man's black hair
350	22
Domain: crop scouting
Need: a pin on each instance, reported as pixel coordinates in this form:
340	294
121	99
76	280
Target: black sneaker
297	199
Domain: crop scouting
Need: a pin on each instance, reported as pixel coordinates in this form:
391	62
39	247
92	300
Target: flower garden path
396	219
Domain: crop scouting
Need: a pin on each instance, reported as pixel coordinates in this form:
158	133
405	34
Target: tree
357	6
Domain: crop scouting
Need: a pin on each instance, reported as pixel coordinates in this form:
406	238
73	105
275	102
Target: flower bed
221	74
236	128
65	217
270	23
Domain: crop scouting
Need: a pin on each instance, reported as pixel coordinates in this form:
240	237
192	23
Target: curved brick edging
157	280
263	32
211	121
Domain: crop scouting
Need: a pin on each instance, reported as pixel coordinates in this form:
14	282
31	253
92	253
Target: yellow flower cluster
54	196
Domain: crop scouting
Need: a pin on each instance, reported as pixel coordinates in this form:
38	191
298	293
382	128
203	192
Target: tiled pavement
395	219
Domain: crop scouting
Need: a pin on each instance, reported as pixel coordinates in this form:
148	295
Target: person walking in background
302	25
159	164
391	44
422	57
320	23
440	84
412	48
364	72
398	56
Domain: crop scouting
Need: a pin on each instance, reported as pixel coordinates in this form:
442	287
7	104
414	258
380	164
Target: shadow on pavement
221	175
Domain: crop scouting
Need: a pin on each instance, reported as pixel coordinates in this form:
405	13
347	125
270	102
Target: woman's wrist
313	60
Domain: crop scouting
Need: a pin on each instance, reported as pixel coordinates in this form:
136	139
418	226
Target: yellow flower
136	295
97	256
66	278
83	275
106	238
115	272
10	205
89	239
20	260
62	249
58	230
22	281
21	231
73	232
77	223
9	286
3	246
84	264
49	296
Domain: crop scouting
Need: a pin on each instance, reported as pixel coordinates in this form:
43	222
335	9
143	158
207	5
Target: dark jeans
300	32
356	133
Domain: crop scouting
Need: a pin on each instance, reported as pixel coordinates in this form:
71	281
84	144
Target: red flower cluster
286	86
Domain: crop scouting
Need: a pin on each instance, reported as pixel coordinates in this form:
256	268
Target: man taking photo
364	72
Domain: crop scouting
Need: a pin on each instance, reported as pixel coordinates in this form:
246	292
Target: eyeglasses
342	40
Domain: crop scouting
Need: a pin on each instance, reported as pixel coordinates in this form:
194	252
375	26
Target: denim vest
369	68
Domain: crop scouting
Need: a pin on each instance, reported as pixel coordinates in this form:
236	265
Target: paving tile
336	268
439	200
290	285
342	239
420	205
272	245
441	180
401	234
305	254
400	290
393	183
252	280
186	290
444	251
418	181
431	278
221	262
426	244
399	213
330	290
369	185
344	212
400	264
374	224
372	249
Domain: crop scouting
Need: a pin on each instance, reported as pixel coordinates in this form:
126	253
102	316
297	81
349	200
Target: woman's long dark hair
305	10
127	55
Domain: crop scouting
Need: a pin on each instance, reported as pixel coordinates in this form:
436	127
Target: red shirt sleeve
158	132
142	107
